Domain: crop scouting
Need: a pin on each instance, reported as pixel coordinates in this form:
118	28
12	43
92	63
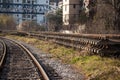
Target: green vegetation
98	68
94	67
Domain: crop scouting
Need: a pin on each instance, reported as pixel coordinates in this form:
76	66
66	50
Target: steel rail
4	53
96	43
42	71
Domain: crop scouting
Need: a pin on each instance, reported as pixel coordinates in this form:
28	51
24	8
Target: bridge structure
15	8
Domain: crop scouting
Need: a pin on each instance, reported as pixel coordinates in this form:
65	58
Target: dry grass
98	68
94	67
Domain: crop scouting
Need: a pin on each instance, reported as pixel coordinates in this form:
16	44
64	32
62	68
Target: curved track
20	64
2	52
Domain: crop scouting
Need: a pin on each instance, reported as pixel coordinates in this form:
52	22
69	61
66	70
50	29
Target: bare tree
7	22
103	16
30	26
54	20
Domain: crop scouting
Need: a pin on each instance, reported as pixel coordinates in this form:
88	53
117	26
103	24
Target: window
24	1
28	1
33	16
28	16
32	2
23	19
74	5
24	16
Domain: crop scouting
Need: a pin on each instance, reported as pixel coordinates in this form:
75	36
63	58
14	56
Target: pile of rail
102	44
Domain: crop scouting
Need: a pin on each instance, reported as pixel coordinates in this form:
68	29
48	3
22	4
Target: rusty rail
40	68
103	44
3	54
107	44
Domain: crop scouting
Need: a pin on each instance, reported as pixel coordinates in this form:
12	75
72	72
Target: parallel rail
40	68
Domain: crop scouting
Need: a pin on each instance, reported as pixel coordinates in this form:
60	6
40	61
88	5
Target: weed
94	67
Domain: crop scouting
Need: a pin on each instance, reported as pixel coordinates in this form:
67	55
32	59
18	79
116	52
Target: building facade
39	18
71	11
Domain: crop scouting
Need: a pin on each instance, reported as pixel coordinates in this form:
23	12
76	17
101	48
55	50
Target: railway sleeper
100	43
85	41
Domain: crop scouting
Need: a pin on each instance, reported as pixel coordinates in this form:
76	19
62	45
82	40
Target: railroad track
2	52
18	63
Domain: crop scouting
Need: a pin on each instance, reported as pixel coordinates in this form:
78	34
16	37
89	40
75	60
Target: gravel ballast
65	71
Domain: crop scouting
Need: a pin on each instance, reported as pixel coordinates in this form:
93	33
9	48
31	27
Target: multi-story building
39	18
71	11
